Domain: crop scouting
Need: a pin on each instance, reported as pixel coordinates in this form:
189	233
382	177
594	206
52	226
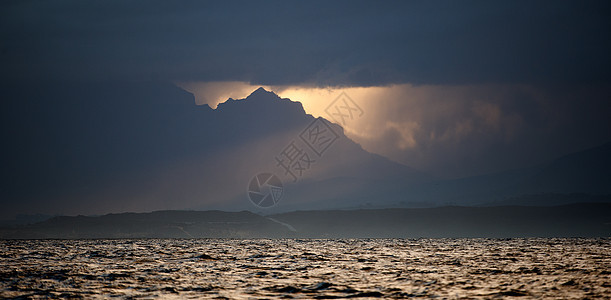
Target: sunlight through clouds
213	93
424	126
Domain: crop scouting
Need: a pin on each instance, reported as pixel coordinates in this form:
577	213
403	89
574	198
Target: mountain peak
260	90
262	93
263	99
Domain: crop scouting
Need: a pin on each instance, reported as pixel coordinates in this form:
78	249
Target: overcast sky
459	88
353	43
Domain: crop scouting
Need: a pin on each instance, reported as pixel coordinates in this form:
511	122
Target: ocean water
306	269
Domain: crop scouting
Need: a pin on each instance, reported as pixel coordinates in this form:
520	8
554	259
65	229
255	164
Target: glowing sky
448	130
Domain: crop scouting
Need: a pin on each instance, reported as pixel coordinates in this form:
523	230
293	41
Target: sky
316	43
452	88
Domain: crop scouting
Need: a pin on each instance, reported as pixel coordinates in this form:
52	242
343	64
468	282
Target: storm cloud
457	131
319	43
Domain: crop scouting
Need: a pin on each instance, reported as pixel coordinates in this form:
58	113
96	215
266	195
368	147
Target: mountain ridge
147	146
574	220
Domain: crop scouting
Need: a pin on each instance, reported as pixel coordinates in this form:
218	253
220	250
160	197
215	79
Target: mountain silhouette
158	224
587	171
579	177
103	147
574	220
114	147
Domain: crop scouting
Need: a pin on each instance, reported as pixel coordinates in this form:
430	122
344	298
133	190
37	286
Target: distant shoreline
572	220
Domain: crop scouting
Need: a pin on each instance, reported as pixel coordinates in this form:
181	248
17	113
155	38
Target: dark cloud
356	43
457	131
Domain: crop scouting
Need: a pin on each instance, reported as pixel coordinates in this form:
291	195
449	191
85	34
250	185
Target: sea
562	268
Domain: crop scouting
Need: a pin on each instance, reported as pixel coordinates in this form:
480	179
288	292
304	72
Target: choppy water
323	269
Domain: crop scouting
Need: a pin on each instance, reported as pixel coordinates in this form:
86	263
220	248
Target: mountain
587	171
159	224
575	220
580	177
93	148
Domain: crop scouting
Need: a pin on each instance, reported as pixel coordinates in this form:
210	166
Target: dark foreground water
323	269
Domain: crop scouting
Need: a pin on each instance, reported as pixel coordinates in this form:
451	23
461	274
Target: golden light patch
213	93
